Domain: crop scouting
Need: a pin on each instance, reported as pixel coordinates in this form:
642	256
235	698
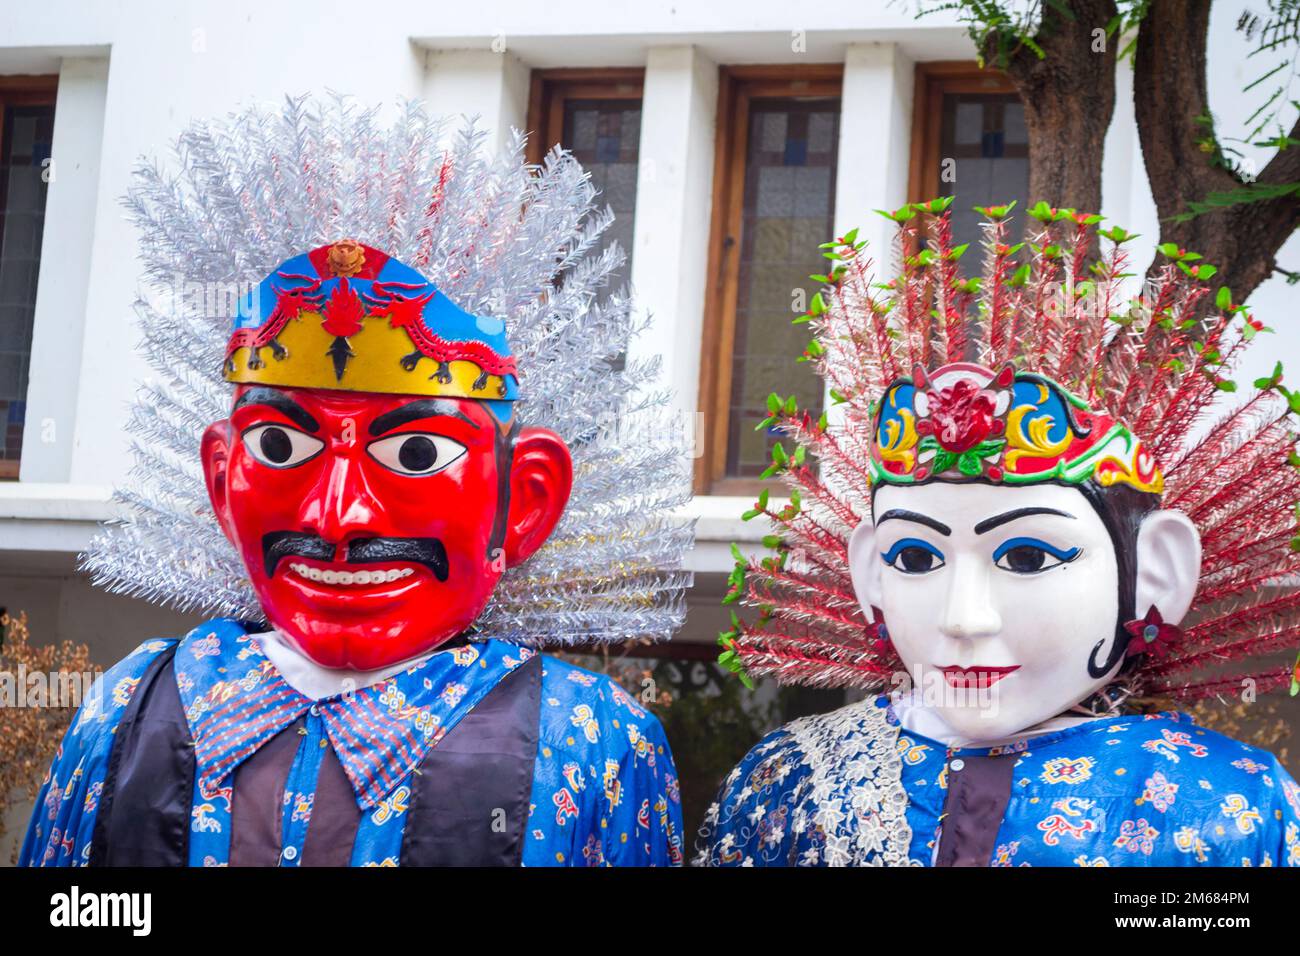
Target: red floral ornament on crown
960	424
961	415
963	421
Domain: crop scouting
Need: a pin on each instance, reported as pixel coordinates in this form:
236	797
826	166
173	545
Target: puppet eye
1030	556
416	453
913	556
279	446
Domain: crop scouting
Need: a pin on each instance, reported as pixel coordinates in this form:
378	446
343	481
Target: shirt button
957	764
290	853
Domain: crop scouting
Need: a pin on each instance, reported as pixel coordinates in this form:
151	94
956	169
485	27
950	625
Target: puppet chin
366	626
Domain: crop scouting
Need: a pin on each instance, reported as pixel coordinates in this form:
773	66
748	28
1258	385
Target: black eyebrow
901	515
988	524
414	411
282	403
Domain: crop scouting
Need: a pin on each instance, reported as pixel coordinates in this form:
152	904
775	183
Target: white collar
314	681
915	717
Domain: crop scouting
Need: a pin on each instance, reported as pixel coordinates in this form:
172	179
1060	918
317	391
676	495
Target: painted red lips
975	678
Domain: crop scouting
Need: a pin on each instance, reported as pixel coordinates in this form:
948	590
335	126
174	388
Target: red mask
375	527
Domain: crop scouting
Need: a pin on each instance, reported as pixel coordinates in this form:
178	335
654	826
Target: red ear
215	453
541	477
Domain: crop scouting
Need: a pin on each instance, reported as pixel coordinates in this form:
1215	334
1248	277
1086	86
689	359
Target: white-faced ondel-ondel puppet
1027	488
396	477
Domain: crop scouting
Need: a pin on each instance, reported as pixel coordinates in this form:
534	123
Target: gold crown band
382	359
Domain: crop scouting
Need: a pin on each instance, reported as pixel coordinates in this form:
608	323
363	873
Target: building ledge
39	501
61	518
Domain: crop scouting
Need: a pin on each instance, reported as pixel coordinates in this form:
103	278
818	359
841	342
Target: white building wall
488	85
133	74
673	199
875	141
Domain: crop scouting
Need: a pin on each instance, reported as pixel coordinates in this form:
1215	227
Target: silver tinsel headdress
499	238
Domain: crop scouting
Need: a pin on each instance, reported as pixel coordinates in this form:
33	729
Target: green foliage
1005	29
730	658
1271	381
1043	212
935	207
1242	195
1278	36
1117	235
899	215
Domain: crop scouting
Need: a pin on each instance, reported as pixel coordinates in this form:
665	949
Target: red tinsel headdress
1051	309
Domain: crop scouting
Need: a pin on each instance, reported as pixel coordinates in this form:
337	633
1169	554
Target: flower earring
1152	635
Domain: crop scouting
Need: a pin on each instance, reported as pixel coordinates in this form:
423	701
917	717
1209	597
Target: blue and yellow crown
347	316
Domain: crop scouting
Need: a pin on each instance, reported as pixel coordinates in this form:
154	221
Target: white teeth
350	577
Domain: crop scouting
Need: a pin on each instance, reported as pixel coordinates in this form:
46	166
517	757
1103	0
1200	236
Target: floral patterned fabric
1152	790
604	786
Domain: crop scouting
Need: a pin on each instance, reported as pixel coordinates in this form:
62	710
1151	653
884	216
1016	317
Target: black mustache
281	544
429	552
426	551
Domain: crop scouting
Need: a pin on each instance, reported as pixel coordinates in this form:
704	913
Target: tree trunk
1069	96
1175	131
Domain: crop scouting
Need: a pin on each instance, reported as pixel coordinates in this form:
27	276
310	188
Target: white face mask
997	597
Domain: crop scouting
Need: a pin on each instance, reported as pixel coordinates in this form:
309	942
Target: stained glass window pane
983	135
25	139
605	136
789	198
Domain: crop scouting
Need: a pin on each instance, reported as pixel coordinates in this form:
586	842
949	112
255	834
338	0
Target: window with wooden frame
596	115
26	136
775	168
968	141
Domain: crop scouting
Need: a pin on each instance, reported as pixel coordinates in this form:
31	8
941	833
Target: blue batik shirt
604	790
853	787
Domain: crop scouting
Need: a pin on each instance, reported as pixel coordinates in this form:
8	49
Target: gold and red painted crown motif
347	316
965	422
